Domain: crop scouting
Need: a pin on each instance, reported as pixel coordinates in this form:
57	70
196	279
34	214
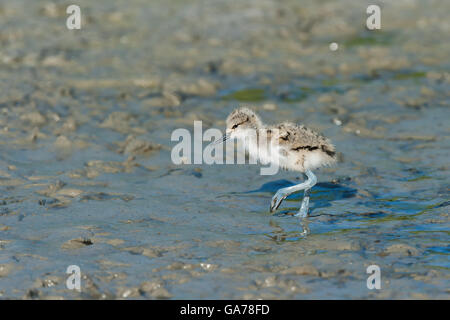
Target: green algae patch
410	75
330	82
419	178
374	38
247	95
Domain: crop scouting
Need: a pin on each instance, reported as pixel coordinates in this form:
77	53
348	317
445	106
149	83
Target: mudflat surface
86	176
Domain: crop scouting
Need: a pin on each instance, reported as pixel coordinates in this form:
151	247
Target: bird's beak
224	138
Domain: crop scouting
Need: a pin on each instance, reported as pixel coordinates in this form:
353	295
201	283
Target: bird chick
291	146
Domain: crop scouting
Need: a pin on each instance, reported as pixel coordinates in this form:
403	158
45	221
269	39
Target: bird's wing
297	137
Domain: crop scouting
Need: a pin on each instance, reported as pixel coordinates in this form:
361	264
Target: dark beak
224	138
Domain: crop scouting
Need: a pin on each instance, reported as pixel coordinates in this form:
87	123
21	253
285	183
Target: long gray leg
284	192
303	212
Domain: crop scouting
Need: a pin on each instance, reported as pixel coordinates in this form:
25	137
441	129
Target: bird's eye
235	126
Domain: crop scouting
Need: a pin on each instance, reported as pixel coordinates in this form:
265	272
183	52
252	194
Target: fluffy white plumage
291	146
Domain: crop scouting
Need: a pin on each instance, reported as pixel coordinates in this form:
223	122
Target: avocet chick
291	146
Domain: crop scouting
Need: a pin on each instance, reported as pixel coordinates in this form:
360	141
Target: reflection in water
281	235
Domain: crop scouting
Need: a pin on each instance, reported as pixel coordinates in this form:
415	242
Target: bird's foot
276	200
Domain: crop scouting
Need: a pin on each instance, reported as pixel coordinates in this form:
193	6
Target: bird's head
242	119
239	122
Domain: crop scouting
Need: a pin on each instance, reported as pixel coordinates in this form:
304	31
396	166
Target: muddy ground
86	176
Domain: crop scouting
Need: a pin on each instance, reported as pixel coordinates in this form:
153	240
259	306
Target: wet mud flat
86	176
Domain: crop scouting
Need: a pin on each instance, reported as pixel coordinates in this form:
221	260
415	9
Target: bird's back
302	148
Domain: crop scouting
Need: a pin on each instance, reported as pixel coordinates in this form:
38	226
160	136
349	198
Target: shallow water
86	176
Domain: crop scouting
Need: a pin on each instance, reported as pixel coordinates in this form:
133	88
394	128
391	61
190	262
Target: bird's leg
284	192
303	212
